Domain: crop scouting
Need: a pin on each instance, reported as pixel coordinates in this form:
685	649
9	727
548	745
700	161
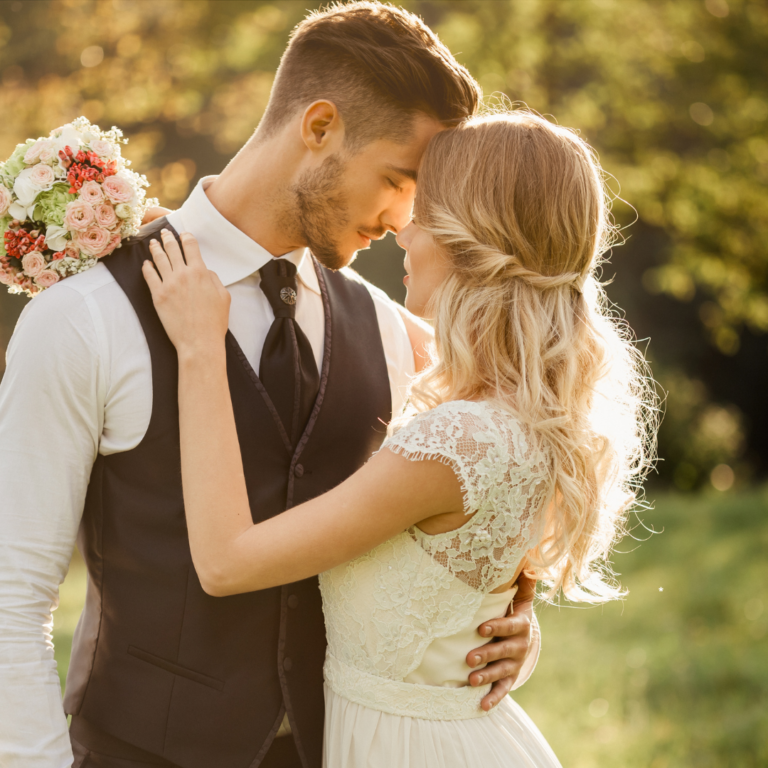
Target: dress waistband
425	702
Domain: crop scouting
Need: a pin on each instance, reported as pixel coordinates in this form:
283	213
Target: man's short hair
378	64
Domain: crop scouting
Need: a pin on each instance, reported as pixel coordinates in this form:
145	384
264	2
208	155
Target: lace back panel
386	608
504	479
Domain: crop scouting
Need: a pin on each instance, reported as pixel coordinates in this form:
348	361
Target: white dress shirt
78	384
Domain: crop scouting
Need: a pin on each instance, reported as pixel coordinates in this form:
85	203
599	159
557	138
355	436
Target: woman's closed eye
394	186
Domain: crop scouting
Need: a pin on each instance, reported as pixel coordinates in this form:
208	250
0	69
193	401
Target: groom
162	673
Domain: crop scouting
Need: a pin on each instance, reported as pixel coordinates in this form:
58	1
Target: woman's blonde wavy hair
521	208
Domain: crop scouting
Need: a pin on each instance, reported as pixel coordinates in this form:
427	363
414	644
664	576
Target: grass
675	676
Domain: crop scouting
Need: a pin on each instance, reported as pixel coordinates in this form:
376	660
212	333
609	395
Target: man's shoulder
71	291
147	232
75	299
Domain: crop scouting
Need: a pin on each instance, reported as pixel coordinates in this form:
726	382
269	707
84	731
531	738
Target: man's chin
334	259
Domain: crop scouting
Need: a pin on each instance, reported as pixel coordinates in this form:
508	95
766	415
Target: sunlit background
674	96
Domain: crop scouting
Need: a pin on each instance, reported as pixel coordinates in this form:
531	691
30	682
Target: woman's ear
321	126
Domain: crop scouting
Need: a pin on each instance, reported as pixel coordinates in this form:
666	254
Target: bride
523	446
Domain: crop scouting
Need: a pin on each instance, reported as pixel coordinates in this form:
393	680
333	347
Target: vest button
287	665
298	470
293	601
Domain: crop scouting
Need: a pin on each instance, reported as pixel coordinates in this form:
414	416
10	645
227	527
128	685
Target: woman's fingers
153	279
160	257
172	249
191	251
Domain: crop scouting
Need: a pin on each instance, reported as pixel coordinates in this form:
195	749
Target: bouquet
65	202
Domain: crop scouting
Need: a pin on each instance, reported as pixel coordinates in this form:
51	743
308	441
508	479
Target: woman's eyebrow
410	173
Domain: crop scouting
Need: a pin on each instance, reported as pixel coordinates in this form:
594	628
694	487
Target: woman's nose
403	237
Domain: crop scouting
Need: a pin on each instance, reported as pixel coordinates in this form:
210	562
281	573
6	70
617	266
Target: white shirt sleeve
51	413
532	659
397	345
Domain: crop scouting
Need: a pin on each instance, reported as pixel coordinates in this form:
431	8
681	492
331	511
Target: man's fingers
497	694
515	648
498	670
172	249
160	258
506	626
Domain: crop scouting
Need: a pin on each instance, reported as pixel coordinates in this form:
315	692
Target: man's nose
397	216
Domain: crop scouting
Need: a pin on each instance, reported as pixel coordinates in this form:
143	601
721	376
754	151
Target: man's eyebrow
409	173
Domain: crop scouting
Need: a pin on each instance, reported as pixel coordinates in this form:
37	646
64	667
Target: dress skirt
357	736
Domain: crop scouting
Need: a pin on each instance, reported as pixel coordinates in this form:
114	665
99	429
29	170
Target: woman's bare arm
230	553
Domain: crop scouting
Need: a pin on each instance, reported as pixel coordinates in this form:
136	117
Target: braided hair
520	206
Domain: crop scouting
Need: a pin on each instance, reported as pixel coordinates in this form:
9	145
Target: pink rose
91	193
32	155
42	176
48	152
79	216
6	278
117	189
5	200
33	263
102	148
114	241
72	251
47	278
106	216
93	240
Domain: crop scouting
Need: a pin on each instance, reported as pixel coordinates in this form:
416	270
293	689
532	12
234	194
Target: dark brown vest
199	680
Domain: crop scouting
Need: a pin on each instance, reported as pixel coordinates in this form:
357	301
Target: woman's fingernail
480	679
486	630
475	661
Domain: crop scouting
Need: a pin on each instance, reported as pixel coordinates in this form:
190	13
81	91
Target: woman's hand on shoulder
191	301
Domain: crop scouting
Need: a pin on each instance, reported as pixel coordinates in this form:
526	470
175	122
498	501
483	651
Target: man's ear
321	126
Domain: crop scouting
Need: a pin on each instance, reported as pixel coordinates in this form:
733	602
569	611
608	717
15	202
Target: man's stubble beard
320	211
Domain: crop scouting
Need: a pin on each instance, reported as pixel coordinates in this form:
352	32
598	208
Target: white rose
21	212
31	182
68	137
55	238
123	211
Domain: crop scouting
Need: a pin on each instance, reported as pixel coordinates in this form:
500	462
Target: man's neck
252	194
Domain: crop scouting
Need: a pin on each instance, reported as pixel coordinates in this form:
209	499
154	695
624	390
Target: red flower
20	242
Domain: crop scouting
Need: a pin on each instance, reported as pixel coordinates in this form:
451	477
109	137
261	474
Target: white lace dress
402	618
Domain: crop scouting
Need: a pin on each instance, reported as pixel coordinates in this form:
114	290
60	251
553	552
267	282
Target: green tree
672	95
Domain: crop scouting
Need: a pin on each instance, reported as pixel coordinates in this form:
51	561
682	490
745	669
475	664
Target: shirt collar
228	251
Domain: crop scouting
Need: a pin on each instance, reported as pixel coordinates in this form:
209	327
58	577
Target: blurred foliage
674	96
699	434
675	677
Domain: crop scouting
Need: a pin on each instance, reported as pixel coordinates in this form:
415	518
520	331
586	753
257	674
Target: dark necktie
287	369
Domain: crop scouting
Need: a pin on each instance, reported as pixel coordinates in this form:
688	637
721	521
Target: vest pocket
176	669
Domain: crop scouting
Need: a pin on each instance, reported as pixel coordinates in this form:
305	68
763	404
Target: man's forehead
404	158
409	173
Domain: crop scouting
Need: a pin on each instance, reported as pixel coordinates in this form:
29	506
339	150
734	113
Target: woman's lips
406	278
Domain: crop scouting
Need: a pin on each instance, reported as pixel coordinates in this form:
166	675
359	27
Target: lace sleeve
504	478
